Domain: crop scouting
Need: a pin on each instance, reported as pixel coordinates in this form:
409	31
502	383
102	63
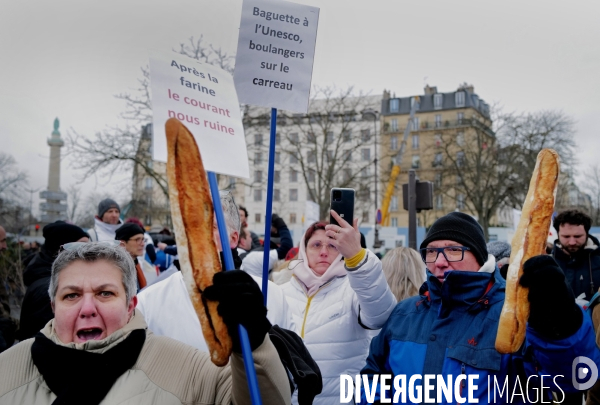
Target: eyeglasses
451	253
136	240
318	245
75	245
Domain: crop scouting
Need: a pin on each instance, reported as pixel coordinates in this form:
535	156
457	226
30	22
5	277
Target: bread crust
529	240
192	215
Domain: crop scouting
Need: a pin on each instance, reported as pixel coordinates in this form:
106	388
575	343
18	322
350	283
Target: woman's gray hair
230	212
92	252
404	271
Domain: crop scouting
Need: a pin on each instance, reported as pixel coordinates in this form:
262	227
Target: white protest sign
203	98
276	48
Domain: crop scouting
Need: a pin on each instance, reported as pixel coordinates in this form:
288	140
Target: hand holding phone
342	202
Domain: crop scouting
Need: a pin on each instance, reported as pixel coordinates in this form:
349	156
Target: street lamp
376	242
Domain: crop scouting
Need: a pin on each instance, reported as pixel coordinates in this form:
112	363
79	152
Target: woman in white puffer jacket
339	297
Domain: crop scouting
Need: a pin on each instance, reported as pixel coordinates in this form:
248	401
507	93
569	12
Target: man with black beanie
36	310
450	328
132	239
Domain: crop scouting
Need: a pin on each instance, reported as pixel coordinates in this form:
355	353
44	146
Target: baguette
192	215
529	240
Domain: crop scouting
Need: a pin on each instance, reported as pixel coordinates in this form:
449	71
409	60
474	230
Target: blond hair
404	271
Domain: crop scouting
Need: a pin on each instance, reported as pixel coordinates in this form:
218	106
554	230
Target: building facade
331	146
443	123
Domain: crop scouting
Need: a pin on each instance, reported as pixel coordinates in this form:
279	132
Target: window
415	124
293	194
364	194
394	204
258	176
460	159
365	135
416	162
460	138
415	141
438	120
257	158
311	137
277	138
293	158
394	105
347	175
347	135
437	139
329	155
293	176
395	222
459	179
459	98
394	143
257	195
168	220
150	164
277	157
394	125
257	218
232	182
329	138
438	100
349	116
315	118
148	183
438	180
148	220
365	172
276	195
294	138
276	176
460	117
439	202
366	154
437	160
149	201
311	175
347	156
365	216
460	201
311	156
258	139
292	218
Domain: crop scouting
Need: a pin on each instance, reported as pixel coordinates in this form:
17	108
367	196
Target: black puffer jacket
582	269
36	310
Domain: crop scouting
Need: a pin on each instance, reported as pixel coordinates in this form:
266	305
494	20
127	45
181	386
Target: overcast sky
68	59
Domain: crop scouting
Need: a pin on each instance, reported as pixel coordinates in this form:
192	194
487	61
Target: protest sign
276	47
203	98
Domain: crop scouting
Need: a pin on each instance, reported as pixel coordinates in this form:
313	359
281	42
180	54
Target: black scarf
79	376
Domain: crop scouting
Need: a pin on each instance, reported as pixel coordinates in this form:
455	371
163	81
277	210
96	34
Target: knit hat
127	231
105	205
58	233
461	228
498	249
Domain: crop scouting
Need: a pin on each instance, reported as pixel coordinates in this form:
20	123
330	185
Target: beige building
443	123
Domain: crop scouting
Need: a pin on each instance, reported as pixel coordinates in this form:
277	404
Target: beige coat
166	372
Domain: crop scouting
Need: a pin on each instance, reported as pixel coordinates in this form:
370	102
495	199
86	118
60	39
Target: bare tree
488	170
592	186
331	146
116	149
12	180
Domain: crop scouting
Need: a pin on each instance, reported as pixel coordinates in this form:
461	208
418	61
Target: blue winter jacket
450	329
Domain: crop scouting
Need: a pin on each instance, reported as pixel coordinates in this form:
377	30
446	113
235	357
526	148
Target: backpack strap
93	235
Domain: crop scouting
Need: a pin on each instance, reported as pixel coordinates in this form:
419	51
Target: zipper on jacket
305	315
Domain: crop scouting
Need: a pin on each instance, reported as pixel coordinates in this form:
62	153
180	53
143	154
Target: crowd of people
107	318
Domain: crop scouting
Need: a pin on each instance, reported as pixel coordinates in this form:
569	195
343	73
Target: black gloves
277	222
240	302
553	311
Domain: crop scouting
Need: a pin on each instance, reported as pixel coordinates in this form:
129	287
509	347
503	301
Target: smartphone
342	202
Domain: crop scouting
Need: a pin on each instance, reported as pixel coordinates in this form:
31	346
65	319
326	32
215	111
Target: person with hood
449	329
35	309
577	253
106	222
338	295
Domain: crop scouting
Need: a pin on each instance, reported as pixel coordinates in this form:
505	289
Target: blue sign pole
267	240
245	342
